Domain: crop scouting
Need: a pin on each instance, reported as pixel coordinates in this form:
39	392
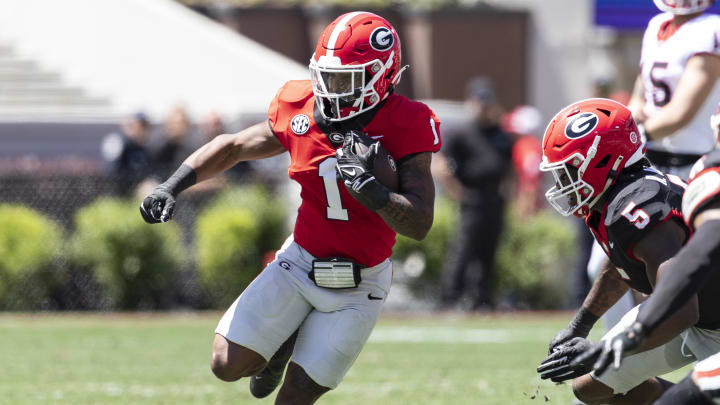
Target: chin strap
584	209
591	154
396	79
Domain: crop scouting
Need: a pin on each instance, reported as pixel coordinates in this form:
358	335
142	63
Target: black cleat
264	383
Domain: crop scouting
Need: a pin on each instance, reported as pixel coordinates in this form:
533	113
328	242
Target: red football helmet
683	7
356	62
715	124
586	145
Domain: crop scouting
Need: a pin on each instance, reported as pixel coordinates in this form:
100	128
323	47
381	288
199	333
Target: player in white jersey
677	87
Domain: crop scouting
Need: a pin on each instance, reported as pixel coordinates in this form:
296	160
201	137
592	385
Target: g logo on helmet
581	125
382	39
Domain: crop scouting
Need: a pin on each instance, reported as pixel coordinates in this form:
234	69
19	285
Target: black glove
160	204
561	338
612	350
580	326
559	365
355	170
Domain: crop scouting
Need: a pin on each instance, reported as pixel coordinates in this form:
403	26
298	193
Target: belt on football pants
335	273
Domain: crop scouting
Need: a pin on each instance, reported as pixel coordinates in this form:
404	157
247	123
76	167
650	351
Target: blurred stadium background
74	74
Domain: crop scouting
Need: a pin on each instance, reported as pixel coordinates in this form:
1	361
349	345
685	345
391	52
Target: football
384	167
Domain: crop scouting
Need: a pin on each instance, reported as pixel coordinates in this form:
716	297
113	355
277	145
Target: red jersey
330	222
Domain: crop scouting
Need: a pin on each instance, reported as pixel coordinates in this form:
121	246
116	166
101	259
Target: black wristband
183	178
583	321
374	195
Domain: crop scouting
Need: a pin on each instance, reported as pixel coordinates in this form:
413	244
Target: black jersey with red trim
639	201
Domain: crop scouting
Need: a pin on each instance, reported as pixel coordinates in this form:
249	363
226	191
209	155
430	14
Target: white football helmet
683	7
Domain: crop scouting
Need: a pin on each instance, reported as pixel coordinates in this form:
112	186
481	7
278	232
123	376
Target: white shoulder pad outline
704	186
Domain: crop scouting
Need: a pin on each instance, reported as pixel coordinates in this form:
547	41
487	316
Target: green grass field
164	359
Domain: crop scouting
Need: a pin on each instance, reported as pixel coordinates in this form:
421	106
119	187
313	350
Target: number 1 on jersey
326	170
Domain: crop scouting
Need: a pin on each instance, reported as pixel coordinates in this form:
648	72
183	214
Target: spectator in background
125	155
523	123
477	160
174	144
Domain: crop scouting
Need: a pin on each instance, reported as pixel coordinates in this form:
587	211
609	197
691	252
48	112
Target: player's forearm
683	276
213	158
607	289
668	122
684	317
410	211
225	151
408	215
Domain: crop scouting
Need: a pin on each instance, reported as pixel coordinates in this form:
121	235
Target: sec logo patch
300	124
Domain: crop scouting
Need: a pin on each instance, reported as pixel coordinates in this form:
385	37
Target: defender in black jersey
695	270
640	199
595	153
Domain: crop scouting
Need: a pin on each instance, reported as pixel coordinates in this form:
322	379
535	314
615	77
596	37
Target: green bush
233	234
135	263
534	259
432	249
30	249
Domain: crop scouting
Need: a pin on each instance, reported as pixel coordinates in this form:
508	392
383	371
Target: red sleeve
291	96
273	119
416	127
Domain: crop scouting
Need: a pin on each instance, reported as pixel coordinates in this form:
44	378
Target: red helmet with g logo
586	145
356	62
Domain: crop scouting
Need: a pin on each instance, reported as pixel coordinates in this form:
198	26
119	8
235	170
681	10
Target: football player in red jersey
693	269
596	155
330	278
